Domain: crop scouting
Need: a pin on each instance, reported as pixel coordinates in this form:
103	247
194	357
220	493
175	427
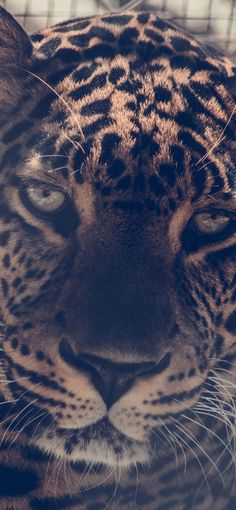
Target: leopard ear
15	54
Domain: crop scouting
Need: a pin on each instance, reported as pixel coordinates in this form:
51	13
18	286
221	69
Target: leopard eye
45	198
210	223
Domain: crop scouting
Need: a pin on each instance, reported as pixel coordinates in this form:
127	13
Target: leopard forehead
122	100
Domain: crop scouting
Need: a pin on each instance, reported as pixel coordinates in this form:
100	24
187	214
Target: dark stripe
101	106
96	126
43	106
182	396
16	131
16	481
230	324
98	81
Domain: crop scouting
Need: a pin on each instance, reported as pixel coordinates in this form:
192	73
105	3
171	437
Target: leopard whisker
26	424
60	99
130	5
196	457
188	434
41	156
220	139
17	416
57	169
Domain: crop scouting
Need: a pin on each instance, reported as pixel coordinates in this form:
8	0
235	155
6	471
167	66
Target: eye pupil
211	223
45	198
46	193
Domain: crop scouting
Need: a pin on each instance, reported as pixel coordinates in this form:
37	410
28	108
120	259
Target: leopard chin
97	444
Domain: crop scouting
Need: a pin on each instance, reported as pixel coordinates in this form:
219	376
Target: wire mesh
213	21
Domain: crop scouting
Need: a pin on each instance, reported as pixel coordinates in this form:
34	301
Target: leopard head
117	230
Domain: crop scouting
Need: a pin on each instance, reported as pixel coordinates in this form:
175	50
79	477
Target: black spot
184	62
156	186
121	19
202	90
124	183
127	38
186	120
127	86
180	44
60	319
16	481
101	106
139	183
6	261
27	325
14	343
96	126
16	282
168	173
84	72
106	191
115	74
143	17
172	204
49	47
4	236
24	350
150	108
116	169
219	343
190	142
59	75
76	24
67	55
98	81
5	286
40	356
149	51
100	51
160	24
109	143
162	94
37	37
230	324
95	31
154	35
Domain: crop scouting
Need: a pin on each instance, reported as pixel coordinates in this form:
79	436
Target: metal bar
178	11
50	11
230	24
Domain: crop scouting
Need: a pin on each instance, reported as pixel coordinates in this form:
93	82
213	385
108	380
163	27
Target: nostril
111	380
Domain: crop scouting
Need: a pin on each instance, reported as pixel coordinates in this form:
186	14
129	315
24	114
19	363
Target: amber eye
45	198
210	223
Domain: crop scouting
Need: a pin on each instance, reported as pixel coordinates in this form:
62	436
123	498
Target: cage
213	21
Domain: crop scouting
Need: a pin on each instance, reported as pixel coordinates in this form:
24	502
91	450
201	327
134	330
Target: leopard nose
111	380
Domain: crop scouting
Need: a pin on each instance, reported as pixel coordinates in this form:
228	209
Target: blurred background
213	21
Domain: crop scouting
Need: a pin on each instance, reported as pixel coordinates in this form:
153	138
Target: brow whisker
60	99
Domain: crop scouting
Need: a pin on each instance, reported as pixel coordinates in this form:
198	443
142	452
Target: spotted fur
118	317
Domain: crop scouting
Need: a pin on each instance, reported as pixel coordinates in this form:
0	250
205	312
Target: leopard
117	267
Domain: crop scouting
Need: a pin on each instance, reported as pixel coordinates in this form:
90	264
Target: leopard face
118	230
